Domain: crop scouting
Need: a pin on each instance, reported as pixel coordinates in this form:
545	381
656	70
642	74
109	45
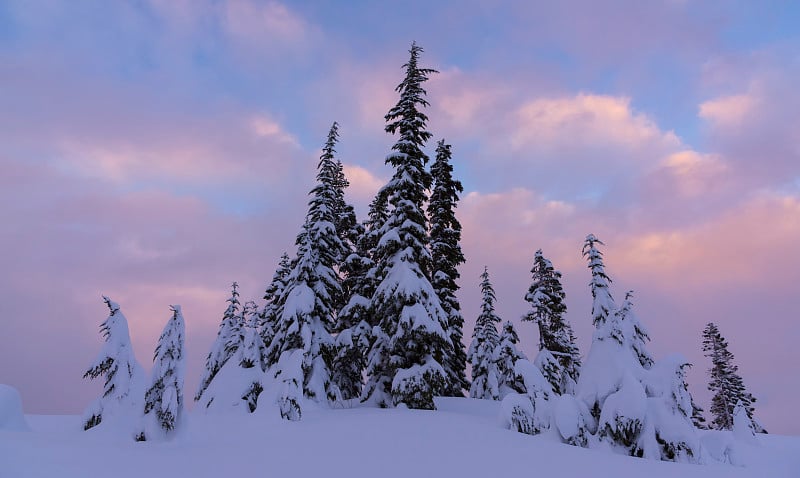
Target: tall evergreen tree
220	352
163	407
485	339
123	389
405	360
268	318
559	359
313	292
446	253
602	304
727	386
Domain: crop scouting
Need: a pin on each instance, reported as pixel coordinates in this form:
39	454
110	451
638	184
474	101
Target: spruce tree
163	407
485	339
507	354
405	360
445	237
559	359
220	352
123	388
727	386
268	318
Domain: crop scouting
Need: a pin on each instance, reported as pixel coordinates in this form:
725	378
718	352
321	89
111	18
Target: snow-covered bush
571	418
11	416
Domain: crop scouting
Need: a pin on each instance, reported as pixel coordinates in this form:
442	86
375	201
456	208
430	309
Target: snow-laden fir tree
123	389
163	404
313	291
237	385
602	303
445	237
306	314
405	361
268	318
725	383
353	322
506	356
356	319
219	353
635	330
558	359
485	339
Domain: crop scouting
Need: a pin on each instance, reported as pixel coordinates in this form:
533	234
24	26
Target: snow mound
11	416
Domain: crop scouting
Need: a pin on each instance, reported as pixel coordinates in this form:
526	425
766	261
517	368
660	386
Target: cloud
728	111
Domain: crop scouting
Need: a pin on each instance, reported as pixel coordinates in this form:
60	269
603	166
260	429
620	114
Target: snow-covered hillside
463	438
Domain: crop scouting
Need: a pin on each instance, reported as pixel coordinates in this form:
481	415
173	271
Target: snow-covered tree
698	419
668	432
635	331
313	290
602	303
405	361
240	381
485	339
268	319
220	352
726	384
558	359
445	236
123	390
163	405
506	356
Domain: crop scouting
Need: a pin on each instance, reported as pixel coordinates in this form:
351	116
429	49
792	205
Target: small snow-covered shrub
415	385
571	418
11	416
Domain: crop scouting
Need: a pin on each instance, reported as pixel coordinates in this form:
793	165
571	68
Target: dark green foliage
445	237
726	384
546	296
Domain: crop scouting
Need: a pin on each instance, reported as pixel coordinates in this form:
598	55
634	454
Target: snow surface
461	439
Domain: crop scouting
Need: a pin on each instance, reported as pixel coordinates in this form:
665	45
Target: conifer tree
506	356
163	407
726	384
405	360
356	319
237	385
636	331
313	291
445	236
559	358
485	339
123	389
602	304
268	319
220	352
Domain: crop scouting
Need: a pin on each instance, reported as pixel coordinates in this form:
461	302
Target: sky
157	150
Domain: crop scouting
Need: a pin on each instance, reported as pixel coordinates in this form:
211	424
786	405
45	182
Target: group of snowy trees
153	411
368	311
619	396
364	310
